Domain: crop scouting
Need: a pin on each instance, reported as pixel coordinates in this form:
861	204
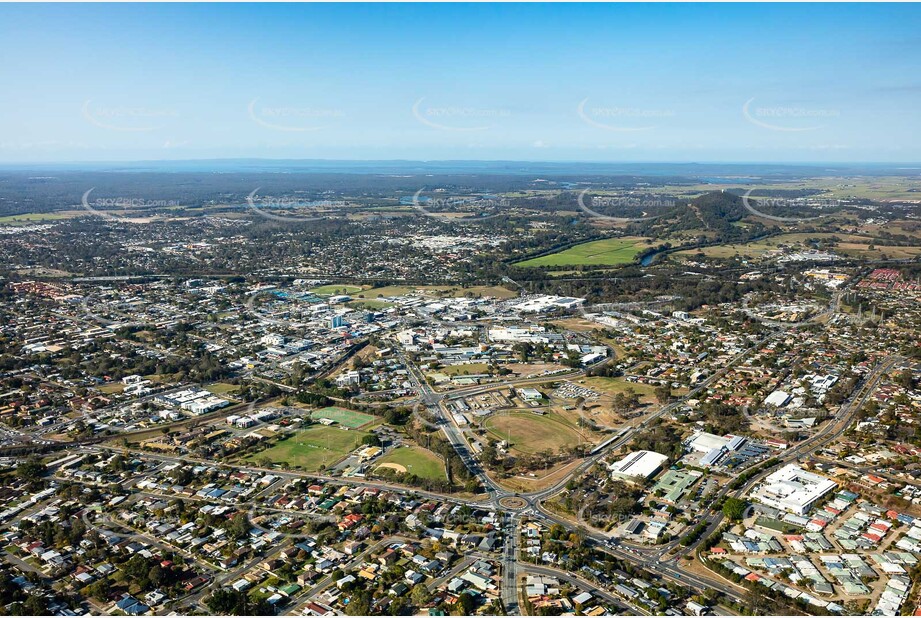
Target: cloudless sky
556	82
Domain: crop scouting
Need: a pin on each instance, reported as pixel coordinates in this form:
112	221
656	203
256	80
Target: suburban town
282	443
460	309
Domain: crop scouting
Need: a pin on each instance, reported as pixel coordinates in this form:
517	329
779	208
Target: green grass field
37	217
874	188
222	388
612	386
439	291
607	252
348	418
847	244
531	433
496	291
415	460
371	303
465	370
388	290
862	250
312	448
334	289
111	388
41	271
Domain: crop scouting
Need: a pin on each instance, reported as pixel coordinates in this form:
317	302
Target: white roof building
793	489
542	303
704	442
778	399
641	464
530	394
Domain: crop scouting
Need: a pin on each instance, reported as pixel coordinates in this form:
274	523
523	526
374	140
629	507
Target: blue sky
563	82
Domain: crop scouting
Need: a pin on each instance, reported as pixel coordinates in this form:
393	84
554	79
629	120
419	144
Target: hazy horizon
480	166
658	83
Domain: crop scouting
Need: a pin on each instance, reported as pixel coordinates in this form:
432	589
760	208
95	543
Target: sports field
607	252
334	289
465	369
371	303
348	418
531	433
414	460
440	291
312	448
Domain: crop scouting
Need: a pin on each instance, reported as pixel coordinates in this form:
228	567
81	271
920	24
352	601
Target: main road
529	504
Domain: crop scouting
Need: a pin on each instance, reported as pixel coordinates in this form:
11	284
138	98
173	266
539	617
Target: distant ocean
718	173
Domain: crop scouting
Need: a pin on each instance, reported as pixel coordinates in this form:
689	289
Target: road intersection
661	561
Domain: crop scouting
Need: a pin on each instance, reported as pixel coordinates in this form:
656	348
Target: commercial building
675	483
641	464
349	378
543	303
704	442
241	421
778	399
530	394
793	489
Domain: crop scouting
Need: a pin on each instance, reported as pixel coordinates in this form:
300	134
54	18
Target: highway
510	570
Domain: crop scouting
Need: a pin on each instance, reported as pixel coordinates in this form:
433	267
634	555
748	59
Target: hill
715	215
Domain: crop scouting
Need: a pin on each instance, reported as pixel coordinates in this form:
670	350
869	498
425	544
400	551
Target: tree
420	594
371	440
397	416
226	601
490	454
137	569
31	470
759	603
157	575
734	508
99	589
35	605
467	603
663	393
239	526
359	604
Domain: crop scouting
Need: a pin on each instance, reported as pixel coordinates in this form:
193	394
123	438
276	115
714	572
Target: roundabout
513	503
